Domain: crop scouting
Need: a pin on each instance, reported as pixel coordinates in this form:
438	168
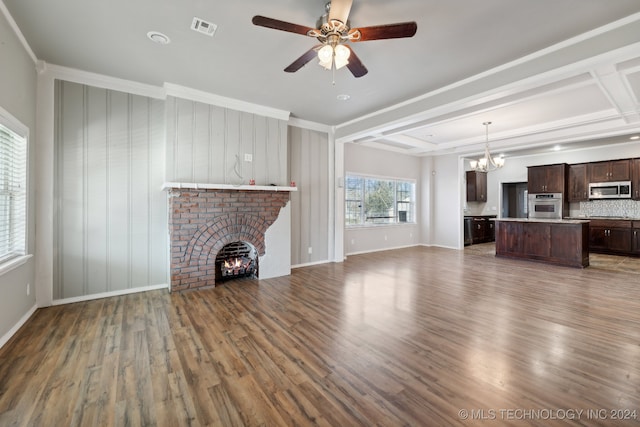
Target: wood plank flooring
414	337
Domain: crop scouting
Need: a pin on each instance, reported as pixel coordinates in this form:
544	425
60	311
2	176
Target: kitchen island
554	241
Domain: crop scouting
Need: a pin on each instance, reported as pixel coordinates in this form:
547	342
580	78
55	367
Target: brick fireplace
206	218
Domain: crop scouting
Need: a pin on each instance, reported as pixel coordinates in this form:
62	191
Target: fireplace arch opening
236	260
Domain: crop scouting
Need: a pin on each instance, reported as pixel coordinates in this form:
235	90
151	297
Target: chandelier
487	163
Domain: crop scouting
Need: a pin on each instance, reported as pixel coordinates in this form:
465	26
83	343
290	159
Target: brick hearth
202	221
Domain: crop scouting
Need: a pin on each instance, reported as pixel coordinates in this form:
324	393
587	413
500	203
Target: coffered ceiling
543	71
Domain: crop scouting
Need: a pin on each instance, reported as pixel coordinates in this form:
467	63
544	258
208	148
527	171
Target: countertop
617	218
553	221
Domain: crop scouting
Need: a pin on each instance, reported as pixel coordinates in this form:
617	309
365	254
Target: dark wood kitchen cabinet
547	178
613	170
509	238
536	239
610	236
578	183
561	242
476	186
482	229
479	230
635	237
635	179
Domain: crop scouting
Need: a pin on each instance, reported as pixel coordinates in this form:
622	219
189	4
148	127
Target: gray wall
18	97
309	168
373	162
111	216
207	144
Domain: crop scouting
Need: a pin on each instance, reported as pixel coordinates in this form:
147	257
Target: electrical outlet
385	237
28	289
310	250
353	241
248	157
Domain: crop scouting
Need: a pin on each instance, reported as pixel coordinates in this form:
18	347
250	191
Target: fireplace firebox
236	260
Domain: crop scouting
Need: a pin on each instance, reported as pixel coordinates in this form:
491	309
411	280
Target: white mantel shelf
196	186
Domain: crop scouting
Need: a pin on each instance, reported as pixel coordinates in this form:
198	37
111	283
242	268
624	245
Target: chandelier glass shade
487	163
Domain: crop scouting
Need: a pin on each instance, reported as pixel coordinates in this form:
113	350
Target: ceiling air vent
204	27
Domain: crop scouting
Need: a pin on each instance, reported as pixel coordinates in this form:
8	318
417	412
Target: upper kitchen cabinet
578	183
635	179
548	178
476	186
614	170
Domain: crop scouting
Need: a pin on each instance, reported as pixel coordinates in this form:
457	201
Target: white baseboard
17	326
308	264
108	294
383	249
447	247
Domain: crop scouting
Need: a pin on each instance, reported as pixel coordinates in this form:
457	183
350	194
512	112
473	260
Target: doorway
514	200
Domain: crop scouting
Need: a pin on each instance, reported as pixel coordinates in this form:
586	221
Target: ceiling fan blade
303	60
356	66
379	32
276	24
340	10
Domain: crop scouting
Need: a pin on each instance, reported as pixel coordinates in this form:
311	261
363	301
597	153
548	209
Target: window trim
16	126
384	178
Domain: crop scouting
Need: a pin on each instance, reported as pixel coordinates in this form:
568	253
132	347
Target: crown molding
100	80
306	124
222	101
18	33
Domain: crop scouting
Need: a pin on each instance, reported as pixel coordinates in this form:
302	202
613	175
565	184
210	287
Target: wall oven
545	206
610	190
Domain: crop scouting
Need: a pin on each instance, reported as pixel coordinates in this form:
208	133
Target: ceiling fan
334	33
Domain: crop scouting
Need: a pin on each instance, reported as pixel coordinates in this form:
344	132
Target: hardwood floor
407	337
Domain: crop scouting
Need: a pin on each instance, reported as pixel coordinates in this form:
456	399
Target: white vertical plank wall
309	164
111	219
208	144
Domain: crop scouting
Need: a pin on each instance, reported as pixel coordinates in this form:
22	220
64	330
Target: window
371	201
13	190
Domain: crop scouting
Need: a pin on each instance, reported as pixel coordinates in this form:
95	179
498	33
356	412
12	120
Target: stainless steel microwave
610	190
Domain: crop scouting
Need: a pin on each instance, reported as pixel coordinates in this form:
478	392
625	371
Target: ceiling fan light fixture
330	56
325	54
341	55
340	62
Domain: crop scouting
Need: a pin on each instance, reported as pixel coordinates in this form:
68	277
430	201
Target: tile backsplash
621	208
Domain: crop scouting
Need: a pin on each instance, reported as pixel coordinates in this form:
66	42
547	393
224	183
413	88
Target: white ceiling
543	71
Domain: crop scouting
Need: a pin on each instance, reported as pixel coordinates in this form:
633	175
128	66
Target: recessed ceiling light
343	97
635	137
159	38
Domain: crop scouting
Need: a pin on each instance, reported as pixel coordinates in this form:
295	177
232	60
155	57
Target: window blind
13	194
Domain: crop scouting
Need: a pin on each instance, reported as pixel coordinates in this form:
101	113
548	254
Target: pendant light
487	163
